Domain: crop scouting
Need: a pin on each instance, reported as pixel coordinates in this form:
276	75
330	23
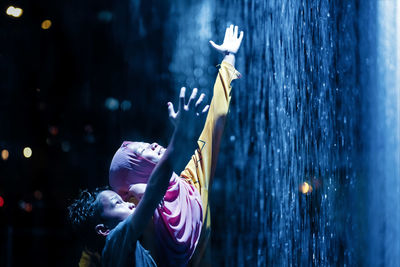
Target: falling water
383	133
293	122
297	169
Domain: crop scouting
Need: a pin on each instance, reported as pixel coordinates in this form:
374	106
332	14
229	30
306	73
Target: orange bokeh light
46	24
305	188
5	154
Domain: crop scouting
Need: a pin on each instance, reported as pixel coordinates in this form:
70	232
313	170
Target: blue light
112	103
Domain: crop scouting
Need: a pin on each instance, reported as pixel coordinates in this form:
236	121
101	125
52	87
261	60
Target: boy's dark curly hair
84	214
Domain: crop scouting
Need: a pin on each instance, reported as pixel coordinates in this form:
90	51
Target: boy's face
114	209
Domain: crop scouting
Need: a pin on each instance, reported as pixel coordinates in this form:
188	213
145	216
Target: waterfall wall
382	129
289	194
309	169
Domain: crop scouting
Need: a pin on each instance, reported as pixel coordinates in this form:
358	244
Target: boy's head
113	210
131	168
98	212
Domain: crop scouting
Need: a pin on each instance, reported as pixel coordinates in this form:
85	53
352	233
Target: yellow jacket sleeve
89	259
201	167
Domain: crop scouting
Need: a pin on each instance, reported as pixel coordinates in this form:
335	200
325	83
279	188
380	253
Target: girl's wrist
230	58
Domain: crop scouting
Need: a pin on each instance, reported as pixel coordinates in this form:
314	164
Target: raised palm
231	42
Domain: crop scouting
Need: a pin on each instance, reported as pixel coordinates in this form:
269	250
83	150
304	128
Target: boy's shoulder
119	245
122	250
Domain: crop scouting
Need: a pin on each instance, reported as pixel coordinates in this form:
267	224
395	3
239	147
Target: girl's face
152	152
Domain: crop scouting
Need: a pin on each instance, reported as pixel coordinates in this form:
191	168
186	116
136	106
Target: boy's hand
231	42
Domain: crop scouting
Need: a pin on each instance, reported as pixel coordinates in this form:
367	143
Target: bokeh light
305	188
38	195
111	103
5	154
65	146
26	206
14	11
46	24
1	201
27	152
105	16
126	105
53	130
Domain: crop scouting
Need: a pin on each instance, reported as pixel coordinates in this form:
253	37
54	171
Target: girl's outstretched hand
188	114
231	42
186	120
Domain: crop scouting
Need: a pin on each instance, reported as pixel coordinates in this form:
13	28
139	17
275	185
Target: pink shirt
178	222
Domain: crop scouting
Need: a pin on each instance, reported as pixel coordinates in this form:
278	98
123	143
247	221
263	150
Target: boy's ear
101	229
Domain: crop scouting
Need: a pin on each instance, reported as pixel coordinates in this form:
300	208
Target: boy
104	214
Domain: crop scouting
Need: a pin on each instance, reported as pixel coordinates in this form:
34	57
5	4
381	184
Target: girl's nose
154	146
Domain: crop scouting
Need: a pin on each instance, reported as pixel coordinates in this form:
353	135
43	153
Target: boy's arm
171	160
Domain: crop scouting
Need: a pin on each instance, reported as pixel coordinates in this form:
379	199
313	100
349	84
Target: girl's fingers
218	47
226	33
171	111
241	36
182	98
192	98
205	109
199	101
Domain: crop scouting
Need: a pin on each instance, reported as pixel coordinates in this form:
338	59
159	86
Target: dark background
314	106
54	87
